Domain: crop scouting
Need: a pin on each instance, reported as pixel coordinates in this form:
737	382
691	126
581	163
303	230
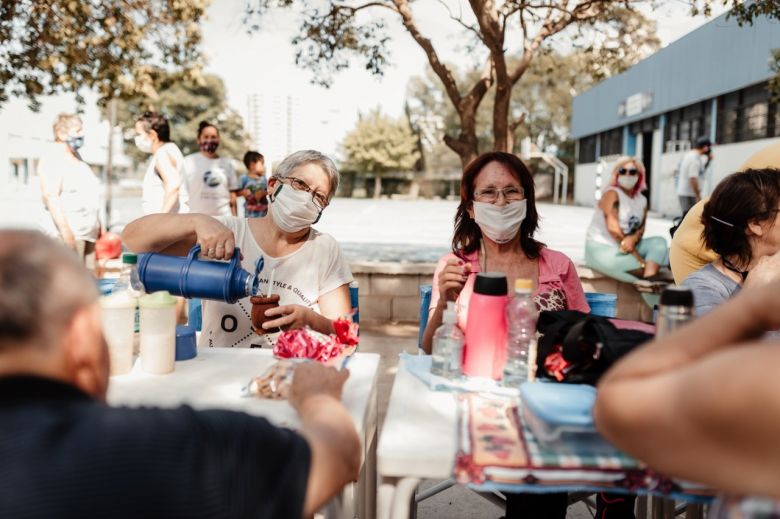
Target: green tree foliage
185	103
110	46
542	98
332	34
379	145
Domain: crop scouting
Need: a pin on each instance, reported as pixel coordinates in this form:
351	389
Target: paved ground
386	230
389	340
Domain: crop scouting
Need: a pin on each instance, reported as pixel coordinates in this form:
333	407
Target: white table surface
419	433
213	380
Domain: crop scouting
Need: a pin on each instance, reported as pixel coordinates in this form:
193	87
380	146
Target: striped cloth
497	450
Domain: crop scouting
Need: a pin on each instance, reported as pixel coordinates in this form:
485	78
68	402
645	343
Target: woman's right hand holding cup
216	241
452	279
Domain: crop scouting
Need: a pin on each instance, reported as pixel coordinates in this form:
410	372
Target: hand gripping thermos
190	277
484	351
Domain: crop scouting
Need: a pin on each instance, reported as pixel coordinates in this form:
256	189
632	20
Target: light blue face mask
75	142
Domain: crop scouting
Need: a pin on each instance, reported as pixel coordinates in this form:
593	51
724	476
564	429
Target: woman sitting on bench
615	245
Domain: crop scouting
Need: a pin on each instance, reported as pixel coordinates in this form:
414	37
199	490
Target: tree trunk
377	186
502	141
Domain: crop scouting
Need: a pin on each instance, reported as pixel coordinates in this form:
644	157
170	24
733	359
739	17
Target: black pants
553	506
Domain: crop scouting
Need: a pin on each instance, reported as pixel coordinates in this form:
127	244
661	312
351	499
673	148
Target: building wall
585	184
718	57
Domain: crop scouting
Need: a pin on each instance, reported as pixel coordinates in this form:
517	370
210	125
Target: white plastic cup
118	319
158	333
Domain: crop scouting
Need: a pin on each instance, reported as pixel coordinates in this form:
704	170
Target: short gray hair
42	286
63	123
303	157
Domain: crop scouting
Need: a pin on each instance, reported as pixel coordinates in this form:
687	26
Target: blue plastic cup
601	304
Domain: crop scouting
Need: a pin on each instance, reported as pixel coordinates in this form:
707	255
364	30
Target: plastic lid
490	284
524	285
161	299
450	315
118	300
676	296
129	258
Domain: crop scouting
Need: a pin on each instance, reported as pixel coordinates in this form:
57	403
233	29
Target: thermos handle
191	256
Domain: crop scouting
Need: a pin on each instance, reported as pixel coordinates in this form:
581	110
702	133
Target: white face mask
627	182
143	143
500	223
293	210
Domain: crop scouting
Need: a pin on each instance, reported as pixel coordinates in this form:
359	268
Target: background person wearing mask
742	226
211	183
70	190
165	170
615	245
691	168
65	453
254	186
311	274
687	253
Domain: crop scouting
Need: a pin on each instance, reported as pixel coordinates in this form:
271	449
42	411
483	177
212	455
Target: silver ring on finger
210	252
220	246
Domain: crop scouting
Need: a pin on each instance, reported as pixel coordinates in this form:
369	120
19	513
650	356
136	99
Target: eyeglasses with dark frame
490	195
628	171
320	200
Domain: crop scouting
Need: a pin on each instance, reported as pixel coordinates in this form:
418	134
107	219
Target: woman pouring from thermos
303	267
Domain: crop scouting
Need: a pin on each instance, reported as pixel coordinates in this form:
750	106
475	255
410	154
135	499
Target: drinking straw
271	282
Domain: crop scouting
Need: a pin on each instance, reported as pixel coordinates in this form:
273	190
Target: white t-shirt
692	166
170	160
209	183
79	193
631	213
317	268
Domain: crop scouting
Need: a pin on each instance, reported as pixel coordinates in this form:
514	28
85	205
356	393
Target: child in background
254	185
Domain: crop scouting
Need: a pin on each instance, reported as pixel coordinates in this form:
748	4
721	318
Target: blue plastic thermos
191	277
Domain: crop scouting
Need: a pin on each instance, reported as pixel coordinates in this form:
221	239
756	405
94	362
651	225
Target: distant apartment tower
274	122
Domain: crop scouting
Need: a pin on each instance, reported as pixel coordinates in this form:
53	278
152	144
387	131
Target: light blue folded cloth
420	367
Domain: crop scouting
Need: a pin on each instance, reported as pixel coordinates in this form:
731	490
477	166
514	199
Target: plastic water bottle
675	310
521	318
447	346
129	282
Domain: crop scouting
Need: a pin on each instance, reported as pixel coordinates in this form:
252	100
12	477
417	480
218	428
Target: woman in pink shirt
494	232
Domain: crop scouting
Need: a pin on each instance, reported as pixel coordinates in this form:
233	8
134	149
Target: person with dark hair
65	453
164	173
494	231
741	226
254	186
615	243
210	180
692	167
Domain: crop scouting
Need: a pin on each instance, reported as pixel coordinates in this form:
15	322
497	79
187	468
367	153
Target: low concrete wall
391	291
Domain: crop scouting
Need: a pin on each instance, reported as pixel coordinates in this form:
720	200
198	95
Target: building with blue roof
712	82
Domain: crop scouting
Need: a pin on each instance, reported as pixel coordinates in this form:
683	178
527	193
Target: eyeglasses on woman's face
490	195
628	171
320	200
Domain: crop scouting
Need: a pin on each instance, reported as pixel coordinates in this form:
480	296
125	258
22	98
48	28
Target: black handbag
578	348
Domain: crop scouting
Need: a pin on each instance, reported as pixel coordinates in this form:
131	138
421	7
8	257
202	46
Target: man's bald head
42	287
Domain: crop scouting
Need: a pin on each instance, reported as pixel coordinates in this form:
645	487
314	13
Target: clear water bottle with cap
447	345
674	310
521	318
128	278
129	283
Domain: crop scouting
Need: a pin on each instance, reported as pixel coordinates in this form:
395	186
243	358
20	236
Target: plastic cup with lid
158	332
118	319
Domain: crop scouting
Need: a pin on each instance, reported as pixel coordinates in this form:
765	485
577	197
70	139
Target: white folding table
213	380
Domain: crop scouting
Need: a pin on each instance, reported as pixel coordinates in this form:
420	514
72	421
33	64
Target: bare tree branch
460	21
